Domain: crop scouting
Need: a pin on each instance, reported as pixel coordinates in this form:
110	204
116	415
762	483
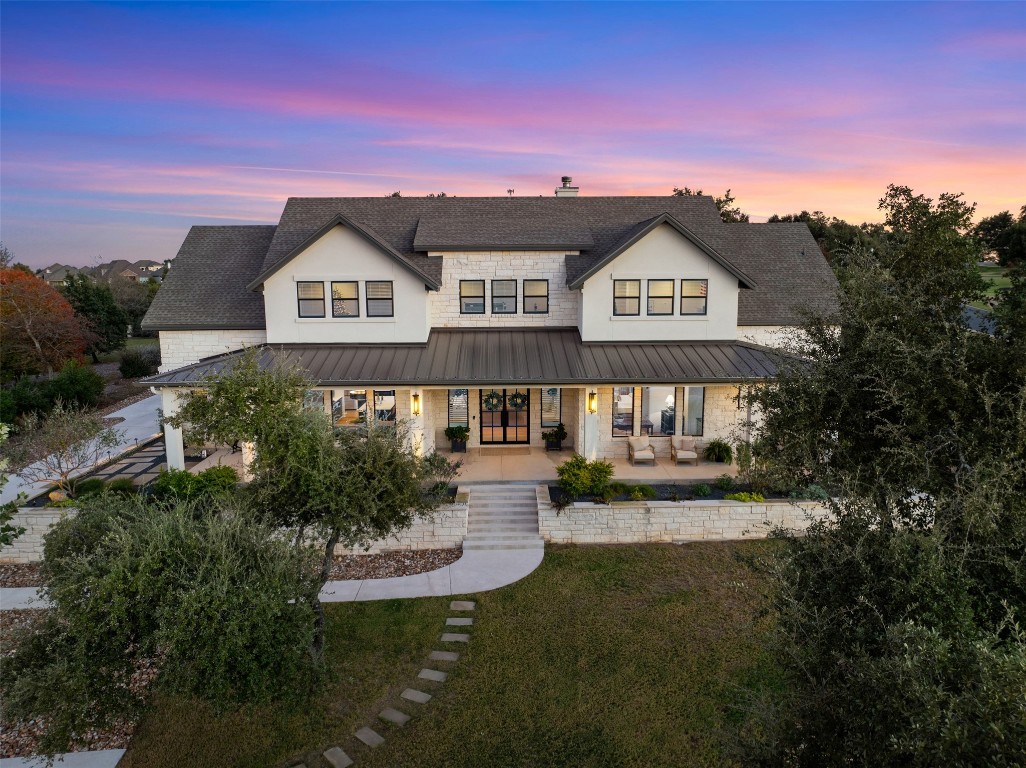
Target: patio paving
539	465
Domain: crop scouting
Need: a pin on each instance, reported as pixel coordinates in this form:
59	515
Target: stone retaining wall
28	548
632	522
445	529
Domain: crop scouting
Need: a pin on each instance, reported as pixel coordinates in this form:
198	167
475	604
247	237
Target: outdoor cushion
639	443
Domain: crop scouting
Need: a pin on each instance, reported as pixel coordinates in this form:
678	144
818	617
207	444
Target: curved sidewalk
475	571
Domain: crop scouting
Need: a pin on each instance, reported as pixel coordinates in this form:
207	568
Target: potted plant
554	437
458	438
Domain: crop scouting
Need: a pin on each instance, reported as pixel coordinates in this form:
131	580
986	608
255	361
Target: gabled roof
643	228
205	290
364	231
440	232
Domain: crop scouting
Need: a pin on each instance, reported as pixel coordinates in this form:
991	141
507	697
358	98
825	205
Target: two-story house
615	316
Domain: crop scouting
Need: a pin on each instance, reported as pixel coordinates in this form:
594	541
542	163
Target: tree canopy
730	213
95	304
1005	235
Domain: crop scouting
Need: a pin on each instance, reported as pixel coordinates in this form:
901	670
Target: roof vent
566	190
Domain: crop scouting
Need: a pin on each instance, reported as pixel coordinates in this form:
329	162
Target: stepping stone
337	758
432	674
443	656
459	622
455	637
411	694
462	605
370	737
394	716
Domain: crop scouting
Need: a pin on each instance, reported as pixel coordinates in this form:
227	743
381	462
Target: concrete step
489	544
505	504
486	528
518	515
491	536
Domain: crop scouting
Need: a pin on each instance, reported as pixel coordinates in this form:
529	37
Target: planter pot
459	446
553	445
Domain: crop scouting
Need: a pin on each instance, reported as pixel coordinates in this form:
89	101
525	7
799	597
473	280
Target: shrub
457	433
174	484
702	489
122	486
26	396
216	480
724	482
580	477
180	484
745	496
719	451
90	487
604	496
76	385
555	435
639	492
139	362
619	488
813	492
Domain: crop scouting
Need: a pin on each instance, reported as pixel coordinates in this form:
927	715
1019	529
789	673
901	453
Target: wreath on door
518	401
492	401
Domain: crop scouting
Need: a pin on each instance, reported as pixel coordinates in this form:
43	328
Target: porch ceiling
491	357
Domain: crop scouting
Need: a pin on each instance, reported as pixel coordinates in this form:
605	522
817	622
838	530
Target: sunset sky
123	124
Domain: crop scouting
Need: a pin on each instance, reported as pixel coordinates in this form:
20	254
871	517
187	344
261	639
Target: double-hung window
694	297
459	407
536	297
311	298
660	297
626	297
379	299
472	297
345	299
504	297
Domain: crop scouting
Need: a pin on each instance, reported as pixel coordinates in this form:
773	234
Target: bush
90	487
724	482
580	477
174	484
178	484
702	489
76	385
139	362
813	492
639	492
744	496
216	480
122	486
718	451
555	435
457	433
24	397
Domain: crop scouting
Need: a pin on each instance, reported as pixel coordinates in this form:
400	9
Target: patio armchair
683	449
640	449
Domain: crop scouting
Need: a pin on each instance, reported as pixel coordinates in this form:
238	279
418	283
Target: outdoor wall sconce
593	402
416	405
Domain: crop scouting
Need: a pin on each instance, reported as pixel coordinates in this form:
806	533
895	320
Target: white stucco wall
344	255
509	265
662	254
178	348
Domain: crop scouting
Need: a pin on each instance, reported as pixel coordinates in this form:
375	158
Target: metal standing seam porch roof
489	357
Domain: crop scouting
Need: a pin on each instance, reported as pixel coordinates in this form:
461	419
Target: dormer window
311	298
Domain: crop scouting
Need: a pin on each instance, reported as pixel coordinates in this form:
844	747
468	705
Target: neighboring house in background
616	316
56	274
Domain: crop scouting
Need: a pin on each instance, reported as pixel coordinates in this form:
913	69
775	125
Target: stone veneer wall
445	529
28	548
765	335
632	522
178	348
499	265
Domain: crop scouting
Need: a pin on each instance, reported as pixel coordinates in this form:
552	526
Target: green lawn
136	342
605	656
996	278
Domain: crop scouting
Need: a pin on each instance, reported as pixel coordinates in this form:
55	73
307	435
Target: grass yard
136	342
605	656
996	278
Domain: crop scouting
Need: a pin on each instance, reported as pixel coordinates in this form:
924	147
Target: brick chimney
566	190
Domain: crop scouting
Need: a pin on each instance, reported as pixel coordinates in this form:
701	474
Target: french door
505	416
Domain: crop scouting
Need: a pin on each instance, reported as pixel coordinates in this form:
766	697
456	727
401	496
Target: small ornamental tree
39	327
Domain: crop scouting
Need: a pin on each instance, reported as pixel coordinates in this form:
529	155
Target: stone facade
765	335
445	529
178	348
28	548
633	522
564	304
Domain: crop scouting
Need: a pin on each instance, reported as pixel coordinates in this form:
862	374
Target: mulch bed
20	575
388	564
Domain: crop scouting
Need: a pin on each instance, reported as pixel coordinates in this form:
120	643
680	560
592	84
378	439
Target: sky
122	125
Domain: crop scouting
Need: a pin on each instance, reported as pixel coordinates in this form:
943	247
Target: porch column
174	443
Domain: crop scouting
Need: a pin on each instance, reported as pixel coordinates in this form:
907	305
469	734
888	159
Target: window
626	297
551	407
349	407
379	298
459	407
313	400
660	297
384	405
311	299
345	299
536	297
694	295
623	411
472	296
658	409
694	410
504	297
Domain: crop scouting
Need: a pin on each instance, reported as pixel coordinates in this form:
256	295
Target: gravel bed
388	564
20	575
12	622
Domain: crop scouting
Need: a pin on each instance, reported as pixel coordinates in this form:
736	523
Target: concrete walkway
101	758
139	425
476	571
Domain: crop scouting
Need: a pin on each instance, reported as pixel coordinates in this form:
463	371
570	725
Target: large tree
39	327
836	236
94	302
1005	235
730	213
134	298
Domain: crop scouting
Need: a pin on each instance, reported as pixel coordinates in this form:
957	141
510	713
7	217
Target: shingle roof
207	287
489	357
439	232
